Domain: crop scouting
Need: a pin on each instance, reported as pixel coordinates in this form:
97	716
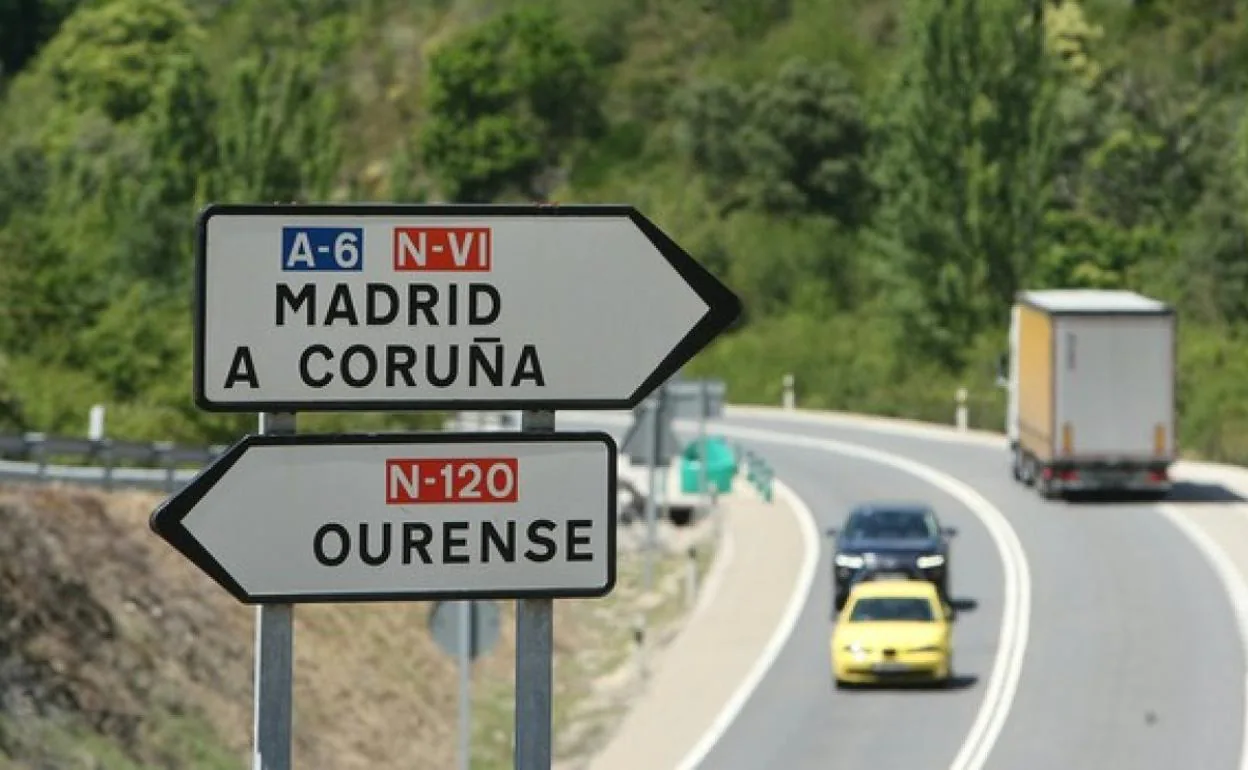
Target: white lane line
929	431
1232	584
1016	611
779	636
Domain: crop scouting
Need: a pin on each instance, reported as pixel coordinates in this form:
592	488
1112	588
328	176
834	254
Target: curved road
1132	658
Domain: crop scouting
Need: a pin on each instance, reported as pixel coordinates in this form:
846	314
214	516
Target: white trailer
1091	382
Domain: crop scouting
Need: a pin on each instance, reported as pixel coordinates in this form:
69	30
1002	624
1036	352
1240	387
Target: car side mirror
951	613
949	531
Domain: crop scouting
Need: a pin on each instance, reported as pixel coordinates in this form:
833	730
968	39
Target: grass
129	632
189	741
596	666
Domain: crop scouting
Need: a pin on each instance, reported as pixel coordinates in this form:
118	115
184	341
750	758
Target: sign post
371	307
465	683
472	631
95	423
535	651
275	657
657	423
704	412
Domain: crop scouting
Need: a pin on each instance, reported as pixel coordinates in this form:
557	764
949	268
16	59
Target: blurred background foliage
876	178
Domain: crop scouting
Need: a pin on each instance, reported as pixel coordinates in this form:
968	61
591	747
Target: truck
1090	376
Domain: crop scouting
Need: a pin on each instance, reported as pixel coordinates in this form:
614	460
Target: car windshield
891	524
886	608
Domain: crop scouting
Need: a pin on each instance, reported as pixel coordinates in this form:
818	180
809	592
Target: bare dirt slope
117	653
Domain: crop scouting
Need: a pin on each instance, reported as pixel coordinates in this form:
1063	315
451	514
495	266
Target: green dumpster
721	466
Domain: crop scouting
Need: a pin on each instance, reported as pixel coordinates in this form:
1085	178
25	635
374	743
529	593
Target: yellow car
893	630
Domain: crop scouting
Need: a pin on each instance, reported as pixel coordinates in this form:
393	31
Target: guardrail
106	462
110	463
757	472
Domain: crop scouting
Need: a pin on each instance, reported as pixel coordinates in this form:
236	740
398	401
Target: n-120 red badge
452	480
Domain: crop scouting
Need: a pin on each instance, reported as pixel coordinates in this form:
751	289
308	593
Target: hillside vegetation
876	178
116	653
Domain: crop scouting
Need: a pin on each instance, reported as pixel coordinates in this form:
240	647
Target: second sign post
420	308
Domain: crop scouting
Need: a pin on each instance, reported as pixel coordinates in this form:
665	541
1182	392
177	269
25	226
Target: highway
1090	635
1093	635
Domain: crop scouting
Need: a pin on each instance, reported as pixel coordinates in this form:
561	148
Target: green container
721	466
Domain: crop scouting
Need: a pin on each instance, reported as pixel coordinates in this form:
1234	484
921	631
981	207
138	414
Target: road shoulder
756	574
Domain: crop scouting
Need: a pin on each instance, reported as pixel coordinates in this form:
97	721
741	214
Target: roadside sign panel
483	632
397	307
638	444
378	517
686	399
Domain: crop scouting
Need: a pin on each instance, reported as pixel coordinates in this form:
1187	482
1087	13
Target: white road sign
390	307
337	518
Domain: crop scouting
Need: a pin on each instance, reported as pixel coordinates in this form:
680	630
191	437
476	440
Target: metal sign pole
652	497
534	656
704	401
465	684
275	659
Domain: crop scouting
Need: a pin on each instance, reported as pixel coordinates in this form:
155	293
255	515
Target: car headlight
927	648
848	560
927	562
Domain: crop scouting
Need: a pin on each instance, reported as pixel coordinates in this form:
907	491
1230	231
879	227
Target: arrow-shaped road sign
341	518
397	307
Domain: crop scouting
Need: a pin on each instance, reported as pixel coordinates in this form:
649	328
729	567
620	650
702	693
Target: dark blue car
884	540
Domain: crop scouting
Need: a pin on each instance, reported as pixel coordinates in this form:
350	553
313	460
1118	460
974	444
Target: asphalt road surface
1129	653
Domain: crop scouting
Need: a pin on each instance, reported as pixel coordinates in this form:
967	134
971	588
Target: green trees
875	179
795	144
123	131
25	25
506	102
106	150
281	105
965	166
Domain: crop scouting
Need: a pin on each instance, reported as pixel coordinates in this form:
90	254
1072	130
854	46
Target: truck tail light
1068	438
1159	475
1159	439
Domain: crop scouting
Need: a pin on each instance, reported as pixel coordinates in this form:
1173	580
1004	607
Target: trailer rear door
1115	386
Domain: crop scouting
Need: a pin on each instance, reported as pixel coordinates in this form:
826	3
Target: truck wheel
1046	490
1029	471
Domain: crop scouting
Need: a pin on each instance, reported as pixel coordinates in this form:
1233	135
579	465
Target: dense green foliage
876	178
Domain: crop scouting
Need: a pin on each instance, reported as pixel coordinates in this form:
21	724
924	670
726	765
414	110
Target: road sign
377	517
689	400
639	444
397	307
682	400
445	626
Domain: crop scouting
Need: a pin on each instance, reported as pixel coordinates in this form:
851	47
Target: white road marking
1234	586
1016	611
779	636
1231	583
929	431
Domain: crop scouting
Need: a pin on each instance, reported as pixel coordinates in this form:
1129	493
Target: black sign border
166	520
